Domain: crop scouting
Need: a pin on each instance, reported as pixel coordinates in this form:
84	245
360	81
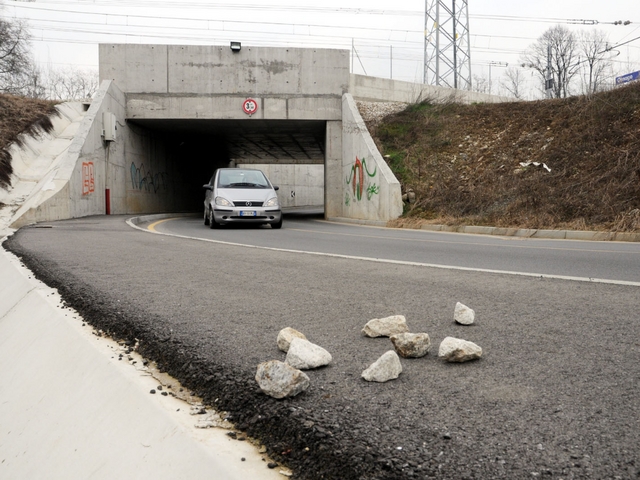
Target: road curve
555	393
616	262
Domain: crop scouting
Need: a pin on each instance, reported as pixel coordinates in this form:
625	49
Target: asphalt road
555	395
617	261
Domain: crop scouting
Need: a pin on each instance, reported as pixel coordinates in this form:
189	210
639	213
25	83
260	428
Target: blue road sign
629	77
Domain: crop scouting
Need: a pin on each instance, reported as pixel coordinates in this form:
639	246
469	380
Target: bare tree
596	67
16	66
71	83
559	45
481	84
514	82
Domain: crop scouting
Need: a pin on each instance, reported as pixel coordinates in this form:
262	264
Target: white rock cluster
286	379
416	345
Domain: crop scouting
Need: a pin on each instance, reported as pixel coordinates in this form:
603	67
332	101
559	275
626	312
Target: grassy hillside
19	115
468	164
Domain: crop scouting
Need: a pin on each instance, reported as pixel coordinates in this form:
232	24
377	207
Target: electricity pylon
447	54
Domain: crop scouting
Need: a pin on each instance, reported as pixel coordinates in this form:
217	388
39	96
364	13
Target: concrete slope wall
370	190
74	184
71	410
39	165
373	89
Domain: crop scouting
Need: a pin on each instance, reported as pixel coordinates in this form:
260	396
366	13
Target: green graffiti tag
372	190
356	179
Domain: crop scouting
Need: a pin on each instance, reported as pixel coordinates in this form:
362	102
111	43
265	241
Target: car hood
246	194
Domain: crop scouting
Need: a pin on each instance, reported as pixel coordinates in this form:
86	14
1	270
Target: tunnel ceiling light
236	47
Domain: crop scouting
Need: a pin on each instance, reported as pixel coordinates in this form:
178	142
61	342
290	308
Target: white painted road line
133	222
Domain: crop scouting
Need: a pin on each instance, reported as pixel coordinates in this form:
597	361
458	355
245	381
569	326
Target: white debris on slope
374	112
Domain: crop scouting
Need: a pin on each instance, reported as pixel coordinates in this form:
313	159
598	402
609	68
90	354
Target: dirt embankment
568	163
20	115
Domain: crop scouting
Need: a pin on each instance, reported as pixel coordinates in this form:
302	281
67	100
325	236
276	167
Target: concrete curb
355	221
510	232
70	409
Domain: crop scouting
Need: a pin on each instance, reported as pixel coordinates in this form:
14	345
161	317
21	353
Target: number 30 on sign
250	106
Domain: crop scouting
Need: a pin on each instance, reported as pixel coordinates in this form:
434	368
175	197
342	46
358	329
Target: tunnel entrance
185	152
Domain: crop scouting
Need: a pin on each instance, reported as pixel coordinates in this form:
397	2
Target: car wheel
277	224
206	217
212	220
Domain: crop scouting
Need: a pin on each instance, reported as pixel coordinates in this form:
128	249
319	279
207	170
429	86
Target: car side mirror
207	187
276	188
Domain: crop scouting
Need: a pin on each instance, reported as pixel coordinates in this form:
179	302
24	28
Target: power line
227	7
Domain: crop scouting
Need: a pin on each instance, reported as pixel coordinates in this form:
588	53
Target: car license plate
247	213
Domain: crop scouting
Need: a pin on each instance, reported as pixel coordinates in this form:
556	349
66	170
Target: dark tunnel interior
196	148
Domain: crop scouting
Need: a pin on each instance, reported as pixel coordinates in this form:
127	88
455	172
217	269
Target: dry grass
464	162
19	115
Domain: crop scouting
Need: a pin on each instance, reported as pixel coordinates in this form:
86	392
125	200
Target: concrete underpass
166	116
292	153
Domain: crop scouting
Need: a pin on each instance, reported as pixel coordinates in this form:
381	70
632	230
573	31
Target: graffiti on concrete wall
88	178
362	181
147	181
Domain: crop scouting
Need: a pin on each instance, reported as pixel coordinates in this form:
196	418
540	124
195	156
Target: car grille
248	204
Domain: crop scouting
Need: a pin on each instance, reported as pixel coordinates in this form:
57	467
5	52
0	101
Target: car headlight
272	202
223	202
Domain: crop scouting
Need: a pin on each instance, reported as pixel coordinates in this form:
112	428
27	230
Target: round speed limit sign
250	106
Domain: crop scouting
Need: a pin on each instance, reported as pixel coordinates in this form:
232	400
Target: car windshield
242	179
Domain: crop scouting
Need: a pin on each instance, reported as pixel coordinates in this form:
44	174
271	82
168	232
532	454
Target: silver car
241	196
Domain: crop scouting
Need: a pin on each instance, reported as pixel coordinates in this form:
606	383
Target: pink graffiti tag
88	179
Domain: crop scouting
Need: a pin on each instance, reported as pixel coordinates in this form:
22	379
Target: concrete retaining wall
154	179
370	191
179	81
373	89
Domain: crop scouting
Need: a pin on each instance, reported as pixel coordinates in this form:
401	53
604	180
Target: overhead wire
314	35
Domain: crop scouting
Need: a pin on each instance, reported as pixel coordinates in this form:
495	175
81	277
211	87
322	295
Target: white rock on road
463	314
279	380
387	367
304	355
411	345
286	335
458	350
385	327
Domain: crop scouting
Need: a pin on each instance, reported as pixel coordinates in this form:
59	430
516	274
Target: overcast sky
387	36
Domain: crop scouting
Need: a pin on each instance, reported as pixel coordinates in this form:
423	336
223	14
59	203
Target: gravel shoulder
555	394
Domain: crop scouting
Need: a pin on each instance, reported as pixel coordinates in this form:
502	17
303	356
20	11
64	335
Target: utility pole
495	64
548	82
447	53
